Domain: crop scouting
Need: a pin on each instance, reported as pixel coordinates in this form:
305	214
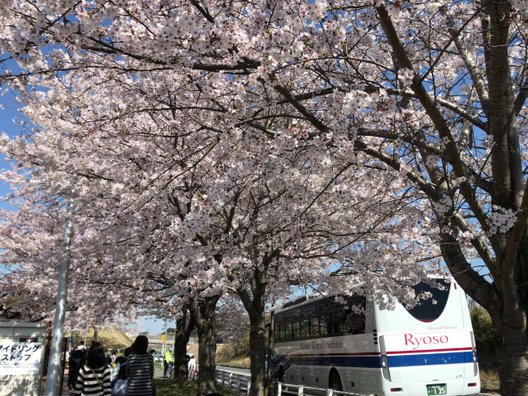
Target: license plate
437	389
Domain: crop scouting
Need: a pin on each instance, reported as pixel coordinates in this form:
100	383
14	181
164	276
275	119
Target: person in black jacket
77	359
94	376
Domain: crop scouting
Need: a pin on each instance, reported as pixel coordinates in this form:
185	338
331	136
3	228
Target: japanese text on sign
20	357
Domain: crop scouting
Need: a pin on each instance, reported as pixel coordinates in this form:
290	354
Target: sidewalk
64	390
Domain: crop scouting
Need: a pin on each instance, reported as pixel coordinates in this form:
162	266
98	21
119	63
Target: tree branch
434	114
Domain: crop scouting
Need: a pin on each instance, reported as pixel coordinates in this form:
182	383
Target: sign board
163	338
20	358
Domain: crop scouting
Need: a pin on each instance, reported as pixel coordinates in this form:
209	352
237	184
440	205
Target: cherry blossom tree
434	91
276	209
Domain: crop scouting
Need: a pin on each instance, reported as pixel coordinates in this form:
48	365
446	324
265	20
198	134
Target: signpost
55	362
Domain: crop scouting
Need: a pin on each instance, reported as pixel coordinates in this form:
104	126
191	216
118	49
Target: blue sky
154	325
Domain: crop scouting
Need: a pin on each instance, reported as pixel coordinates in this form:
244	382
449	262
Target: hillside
112	338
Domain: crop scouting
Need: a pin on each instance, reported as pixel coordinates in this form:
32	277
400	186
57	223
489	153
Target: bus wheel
335	382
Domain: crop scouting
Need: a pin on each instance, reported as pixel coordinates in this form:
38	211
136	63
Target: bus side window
353	323
359	326
296	330
337	320
347	324
308	313
314	328
277	330
281	332
288	332
322	326
305	329
326	325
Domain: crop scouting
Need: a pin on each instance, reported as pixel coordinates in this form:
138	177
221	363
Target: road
241	371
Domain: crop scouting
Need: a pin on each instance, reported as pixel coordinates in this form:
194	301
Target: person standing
75	362
120	382
94	376
140	369
168	363
191	365
121	363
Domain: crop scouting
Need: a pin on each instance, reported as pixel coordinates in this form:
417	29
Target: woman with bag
120	382
140	369
94	376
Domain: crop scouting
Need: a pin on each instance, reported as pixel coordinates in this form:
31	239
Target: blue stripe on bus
375	361
430	359
340	361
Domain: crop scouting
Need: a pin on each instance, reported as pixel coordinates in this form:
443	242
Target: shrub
487	343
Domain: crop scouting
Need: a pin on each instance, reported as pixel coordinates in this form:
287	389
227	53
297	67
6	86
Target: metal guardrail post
329	392
238	382
279	389
300	391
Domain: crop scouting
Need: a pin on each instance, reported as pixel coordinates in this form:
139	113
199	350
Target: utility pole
55	360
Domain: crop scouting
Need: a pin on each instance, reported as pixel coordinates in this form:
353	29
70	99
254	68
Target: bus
350	344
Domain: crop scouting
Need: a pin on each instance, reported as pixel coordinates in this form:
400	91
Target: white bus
350	344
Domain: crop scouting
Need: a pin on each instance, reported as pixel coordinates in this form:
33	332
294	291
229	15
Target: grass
112	338
242	362
489	380
167	387
226	355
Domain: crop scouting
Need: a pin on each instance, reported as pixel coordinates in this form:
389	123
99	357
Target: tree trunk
257	345
254	303
513	360
510	324
508	312
204	314
184	326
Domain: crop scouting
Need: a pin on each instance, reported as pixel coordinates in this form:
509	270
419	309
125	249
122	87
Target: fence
236	383
239	384
301	390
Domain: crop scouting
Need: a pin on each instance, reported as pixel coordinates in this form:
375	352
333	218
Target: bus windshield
430	308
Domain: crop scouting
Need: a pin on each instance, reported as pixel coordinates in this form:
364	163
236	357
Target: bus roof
300	301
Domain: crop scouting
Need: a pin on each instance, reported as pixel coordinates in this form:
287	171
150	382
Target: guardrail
301	390
237	383
240	384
